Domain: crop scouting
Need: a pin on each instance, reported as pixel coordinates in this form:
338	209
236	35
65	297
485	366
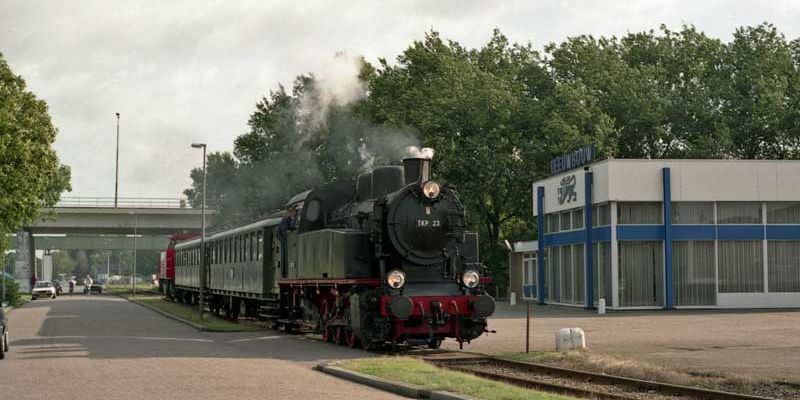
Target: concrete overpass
101	224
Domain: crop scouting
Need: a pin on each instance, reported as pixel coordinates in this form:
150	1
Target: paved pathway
115	349
755	343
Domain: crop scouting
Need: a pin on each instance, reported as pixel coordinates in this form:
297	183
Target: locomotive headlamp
396	279
471	278
431	189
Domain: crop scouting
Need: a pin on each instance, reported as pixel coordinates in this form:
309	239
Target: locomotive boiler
382	259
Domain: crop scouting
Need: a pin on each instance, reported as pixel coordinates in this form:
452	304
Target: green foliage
12	291
497	114
31	176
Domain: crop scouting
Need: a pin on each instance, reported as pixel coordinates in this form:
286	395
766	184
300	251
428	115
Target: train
382	259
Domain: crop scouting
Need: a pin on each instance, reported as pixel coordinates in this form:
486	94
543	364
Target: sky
190	71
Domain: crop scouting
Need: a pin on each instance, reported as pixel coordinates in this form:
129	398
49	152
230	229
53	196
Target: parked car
98	287
43	289
3	334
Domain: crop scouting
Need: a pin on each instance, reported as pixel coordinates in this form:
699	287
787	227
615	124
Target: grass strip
421	373
187	313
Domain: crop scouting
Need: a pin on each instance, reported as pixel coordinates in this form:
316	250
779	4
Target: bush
12	291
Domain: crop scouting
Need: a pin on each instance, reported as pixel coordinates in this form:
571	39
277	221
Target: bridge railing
124	202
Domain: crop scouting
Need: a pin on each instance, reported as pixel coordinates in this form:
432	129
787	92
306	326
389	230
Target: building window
601	215
641	273
783	213
566	223
689	212
739	212
601	255
741	267
577	219
640	213
784	266
694	273
552	222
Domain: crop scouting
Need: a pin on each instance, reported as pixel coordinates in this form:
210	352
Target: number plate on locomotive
428	223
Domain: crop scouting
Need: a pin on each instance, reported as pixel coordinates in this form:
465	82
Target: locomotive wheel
435	344
366	345
351	339
327	335
338	336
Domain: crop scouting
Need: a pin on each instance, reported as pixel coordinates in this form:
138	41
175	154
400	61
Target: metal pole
116	169
135	229
108	269
4	280
203	238
528	326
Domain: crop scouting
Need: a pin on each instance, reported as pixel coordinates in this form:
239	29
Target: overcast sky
180	72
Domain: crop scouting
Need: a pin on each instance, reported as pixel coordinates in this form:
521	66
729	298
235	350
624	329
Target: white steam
336	83
419	152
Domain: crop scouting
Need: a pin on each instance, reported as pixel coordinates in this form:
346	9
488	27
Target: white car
43	289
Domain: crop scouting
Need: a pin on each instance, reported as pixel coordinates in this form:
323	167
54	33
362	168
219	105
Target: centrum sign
577	158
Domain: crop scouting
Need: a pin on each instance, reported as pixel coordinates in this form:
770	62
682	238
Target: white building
670	234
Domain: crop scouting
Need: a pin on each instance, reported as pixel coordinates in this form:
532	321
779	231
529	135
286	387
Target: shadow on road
107	327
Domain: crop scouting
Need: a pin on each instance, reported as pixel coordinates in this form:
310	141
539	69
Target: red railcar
166	266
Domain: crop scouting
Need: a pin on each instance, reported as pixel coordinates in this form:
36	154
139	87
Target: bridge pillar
25	265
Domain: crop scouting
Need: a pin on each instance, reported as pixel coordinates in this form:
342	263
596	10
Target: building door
529	275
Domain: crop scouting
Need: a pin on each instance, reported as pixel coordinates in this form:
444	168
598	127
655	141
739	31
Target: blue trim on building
601	234
667	181
783	232
588	231
541	253
640	232
740	232
694	232
565	238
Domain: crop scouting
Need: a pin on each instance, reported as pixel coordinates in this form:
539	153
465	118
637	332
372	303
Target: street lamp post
203	232
116	168
135	233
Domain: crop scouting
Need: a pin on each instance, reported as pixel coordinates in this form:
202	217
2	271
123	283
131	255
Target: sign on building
577	158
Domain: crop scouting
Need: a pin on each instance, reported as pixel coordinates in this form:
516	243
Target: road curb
199	327
399	388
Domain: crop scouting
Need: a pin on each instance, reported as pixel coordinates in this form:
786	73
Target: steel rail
641	386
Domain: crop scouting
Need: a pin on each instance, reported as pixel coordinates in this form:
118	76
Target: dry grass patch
613	365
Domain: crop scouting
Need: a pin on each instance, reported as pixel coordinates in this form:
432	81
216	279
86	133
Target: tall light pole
203	232
116	168
135	233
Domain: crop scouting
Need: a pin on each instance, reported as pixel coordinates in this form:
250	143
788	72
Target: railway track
572	382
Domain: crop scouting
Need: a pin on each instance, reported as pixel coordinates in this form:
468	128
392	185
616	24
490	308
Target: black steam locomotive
382	259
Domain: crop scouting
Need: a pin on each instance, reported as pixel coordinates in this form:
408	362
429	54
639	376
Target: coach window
259	245
246	245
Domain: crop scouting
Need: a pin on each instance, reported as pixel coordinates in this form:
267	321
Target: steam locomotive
382	259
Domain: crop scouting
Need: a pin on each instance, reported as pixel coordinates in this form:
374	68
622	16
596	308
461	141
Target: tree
31	176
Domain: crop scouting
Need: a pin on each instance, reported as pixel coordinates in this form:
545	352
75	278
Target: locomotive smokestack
416	170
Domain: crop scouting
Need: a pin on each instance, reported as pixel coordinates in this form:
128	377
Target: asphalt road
103	347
